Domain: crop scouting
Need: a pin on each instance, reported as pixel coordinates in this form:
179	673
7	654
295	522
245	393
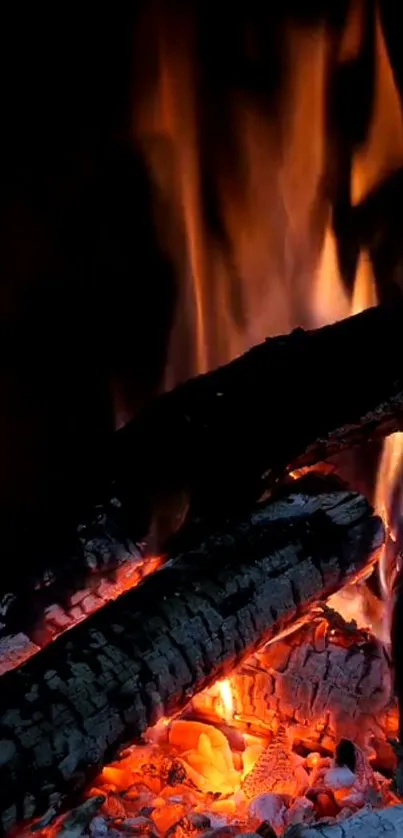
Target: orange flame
225	691
269	262
246	276
381	155
389	473
383	152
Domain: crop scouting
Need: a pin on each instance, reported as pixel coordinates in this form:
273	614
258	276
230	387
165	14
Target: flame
381	155
225	691
383	152
389	474
269	259
364	293
198	764
244	275
330	301
378	157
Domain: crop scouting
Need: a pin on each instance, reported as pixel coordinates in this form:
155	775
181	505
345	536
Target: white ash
216	821
137	826
339	777
14	650
368	823
98	827
270	807
301	811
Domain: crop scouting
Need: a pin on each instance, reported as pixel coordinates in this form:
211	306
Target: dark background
86	297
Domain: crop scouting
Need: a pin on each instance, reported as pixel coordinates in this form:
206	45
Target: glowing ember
192	775
15	649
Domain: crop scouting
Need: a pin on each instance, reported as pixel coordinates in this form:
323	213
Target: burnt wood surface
216	443
41	602
68	708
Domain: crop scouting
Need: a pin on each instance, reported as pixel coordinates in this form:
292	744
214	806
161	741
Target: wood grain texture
68	709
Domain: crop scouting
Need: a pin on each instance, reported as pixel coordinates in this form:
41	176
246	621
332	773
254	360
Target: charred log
26	628
275	401
180	457
69	707
41	604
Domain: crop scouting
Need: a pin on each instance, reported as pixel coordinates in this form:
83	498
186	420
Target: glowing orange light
226	696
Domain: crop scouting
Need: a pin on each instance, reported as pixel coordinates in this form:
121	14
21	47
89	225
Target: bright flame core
225	691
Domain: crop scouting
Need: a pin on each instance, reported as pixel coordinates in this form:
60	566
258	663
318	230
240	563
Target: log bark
26	628
69	707
216	443
365	824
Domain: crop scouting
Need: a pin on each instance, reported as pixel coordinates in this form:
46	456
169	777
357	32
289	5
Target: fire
225	690
217	765
389	477
276	244
377	158
383	151
265	177
268	262
83	603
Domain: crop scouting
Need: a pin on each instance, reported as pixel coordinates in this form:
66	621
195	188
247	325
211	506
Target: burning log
326	680
96	552
278	406
370	823
25	630
70	706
